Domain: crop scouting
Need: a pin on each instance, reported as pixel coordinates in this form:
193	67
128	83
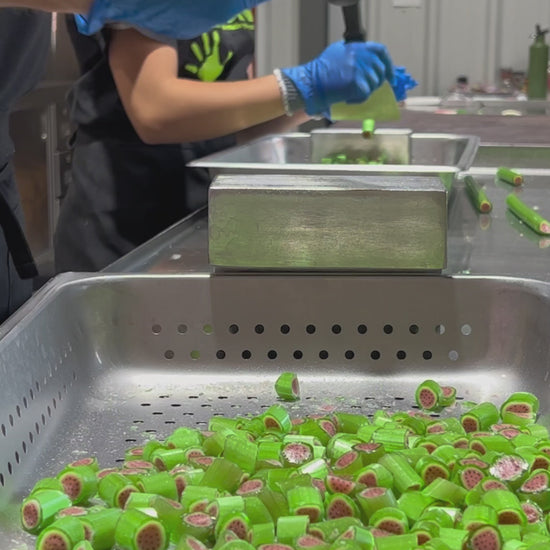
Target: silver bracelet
284	91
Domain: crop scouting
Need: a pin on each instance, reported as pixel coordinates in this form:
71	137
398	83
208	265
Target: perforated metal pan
96	365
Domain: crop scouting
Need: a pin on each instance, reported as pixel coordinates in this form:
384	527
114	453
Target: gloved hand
347	72
181	19
402	82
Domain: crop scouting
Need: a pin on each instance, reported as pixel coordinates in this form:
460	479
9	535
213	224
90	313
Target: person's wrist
290	95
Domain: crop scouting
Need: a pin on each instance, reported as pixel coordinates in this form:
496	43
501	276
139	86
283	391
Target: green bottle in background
537	77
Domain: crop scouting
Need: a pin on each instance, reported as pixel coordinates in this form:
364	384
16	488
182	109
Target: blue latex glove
343	72
402	82
181	19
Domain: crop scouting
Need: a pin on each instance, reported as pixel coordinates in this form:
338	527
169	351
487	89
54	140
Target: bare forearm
276	126
185	110
68	6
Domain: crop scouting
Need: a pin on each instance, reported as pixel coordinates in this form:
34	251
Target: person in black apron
24	47
123	191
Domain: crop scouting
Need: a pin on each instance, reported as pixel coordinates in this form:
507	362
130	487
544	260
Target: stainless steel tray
96	365
430	154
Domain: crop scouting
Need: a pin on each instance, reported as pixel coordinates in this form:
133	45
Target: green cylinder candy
509	176
477	515
149	448
241	452
306	501
79	483
413	504
396	542
540	225
183	438
162	484
256	510
480	417
430	468
136	530
341	444
374	498
428	395
368	127
115	489
196	493
330	530
455	538
40	508
425	530
47	483
338	504
390	519
404	476
448	455
443	516
290	528
477	195
288	387
66	531
237	522
166	459
506	505
223	475
262	533
446	491
198	525
374	475
100	527
277	418
83	545
316	468
392	439
351	423
482	533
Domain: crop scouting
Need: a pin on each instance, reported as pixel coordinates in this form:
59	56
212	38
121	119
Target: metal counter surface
489	244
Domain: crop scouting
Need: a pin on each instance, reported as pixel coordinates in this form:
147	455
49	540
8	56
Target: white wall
440	39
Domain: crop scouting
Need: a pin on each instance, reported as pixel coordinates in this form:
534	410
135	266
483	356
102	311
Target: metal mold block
330	223
96	365
430	154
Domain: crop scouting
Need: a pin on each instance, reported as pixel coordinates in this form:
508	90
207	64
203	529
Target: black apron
124	192
24	47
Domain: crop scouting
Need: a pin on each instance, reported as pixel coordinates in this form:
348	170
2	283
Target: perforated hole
362	329
466	330
323	354
297	354
220	354
375	355
401	355
195	354
25	403
54	403
208	329
349	354
259	329
272	354
310	329
10	418
285	329
3	429
17	459
246	354
175	405
31	437
182	329
145	404
36	428
18	410
388	329
414	329
169	354
427	355
156	329
24	447
37	386
453	355
336	329
440	330
2	480
10	469
49	411
233	329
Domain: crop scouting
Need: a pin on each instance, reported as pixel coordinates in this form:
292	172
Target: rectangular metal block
328	223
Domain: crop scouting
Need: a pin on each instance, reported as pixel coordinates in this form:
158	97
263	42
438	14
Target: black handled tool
352	19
